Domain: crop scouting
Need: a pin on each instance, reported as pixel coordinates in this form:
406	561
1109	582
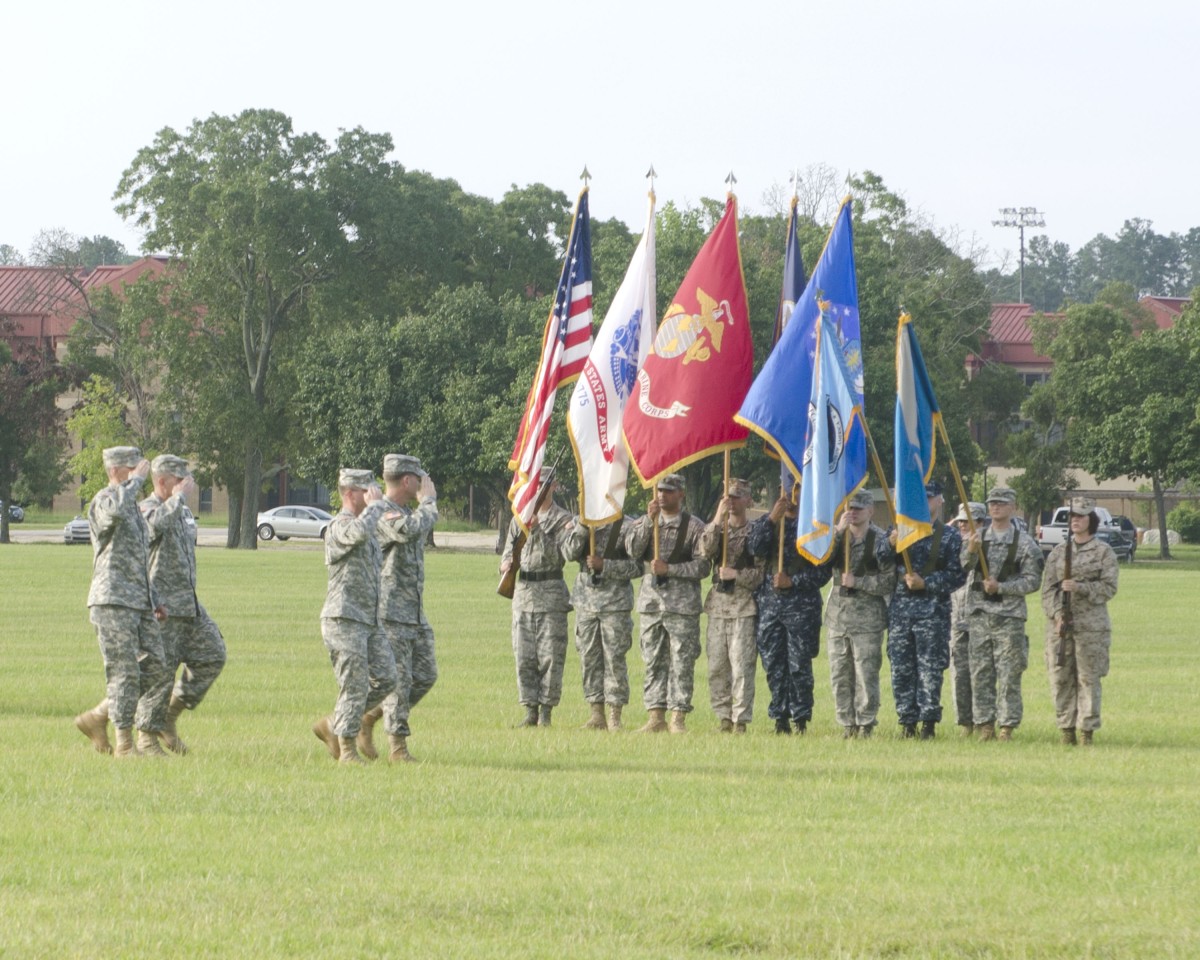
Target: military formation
955	599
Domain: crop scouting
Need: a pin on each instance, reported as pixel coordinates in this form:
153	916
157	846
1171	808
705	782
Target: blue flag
829	475
916	413
790	292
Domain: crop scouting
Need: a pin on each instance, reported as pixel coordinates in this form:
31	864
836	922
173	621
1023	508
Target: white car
77	531
285	522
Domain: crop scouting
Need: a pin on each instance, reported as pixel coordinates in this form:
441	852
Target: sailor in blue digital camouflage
789	616
918	644
125	610
190	637
403	530
732	610
856	616
539	607
997	611
362	659
669	603
960	636
603	602
1078	630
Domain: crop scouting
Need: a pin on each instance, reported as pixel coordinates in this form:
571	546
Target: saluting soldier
669	604
732	610
856	616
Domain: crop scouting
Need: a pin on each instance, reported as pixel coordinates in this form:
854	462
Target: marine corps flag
694	379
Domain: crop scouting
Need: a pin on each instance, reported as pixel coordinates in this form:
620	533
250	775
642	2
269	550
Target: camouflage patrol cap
672	481
170	465
1082	506
355	479
978	512
1002	495
739	488
861	499
399	464
122	457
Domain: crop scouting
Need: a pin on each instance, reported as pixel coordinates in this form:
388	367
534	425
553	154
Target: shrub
1185	519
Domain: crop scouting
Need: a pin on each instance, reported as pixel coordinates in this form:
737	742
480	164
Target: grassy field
567	843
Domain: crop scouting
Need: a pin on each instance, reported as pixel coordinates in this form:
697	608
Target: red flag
697	375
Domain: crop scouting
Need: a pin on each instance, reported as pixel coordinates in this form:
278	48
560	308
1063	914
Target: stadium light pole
1020	217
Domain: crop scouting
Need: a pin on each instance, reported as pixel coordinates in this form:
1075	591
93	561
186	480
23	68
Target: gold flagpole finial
795	181
585	176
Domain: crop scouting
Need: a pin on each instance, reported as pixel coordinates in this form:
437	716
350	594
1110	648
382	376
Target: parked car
15	513
1050	535
78	531
1121	545
293	521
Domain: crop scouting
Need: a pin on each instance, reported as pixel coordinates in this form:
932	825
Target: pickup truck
1050	535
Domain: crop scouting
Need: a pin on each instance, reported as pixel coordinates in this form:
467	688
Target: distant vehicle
292	521
1121	545
78	531
15	513
1050	535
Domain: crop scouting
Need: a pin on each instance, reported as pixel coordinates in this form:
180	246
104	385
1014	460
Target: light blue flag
829	475
916	414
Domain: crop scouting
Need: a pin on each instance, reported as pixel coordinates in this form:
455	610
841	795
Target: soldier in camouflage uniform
190	637
402	533
362	660
540	607
125	610
732	612
603	602
996	610
1078	660
918	643
669	604
856	616
960	636
789	617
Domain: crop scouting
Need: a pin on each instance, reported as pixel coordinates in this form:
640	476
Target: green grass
565	843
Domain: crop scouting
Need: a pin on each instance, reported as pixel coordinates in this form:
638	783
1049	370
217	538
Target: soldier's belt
527	577
990	597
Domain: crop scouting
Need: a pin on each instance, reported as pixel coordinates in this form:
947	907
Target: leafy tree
1044	454
98	421
10	256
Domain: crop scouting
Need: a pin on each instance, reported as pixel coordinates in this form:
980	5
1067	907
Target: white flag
597	406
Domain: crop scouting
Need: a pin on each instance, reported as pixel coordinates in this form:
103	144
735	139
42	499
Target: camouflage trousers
787	648
363	666
1075	685
732	658
854	662
670	645
999	656
196	644
918	652
603	641
135	672
416	671
540	649
960	673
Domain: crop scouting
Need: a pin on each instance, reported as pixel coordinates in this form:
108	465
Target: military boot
850	732
531	716
170	736
655	721
739	727
928	729
323	728
125	747
801	726
678	724
596	721
348	751
726	725
986	731
148	745
1068	737
365	741
864	733
783	727
1085	737
908	731
93	724
544	715
1005	733
614	720
966	729
399	749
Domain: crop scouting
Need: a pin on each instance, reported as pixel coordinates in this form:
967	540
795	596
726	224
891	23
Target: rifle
508	582
1066	625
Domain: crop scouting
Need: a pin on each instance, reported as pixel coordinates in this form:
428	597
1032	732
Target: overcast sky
1086	111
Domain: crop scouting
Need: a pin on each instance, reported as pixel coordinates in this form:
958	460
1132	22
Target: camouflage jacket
120	549
542	559
610	591
1094	568
402	532
738	602
940	582
680	591
1024	576
172	555
807	578
864	606
353	559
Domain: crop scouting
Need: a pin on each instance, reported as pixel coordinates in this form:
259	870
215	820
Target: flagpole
887	494
725	522
962	495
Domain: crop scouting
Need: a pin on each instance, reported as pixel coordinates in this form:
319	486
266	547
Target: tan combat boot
348	752
596	721
170	736
966	729
726	725
544	715
986	731
399	750
739	727
125	747
1068	737
148	745
1085	737
677	724
655	721
93	724
323	728
531	716
614	719
1005	733
366	734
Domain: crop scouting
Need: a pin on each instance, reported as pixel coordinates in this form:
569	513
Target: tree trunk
251	482
1164	547
233	526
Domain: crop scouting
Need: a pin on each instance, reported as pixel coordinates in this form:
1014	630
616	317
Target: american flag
566	344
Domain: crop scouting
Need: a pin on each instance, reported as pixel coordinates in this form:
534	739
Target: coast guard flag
566	342
597	408
916	412
697	373
785	382
828	477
